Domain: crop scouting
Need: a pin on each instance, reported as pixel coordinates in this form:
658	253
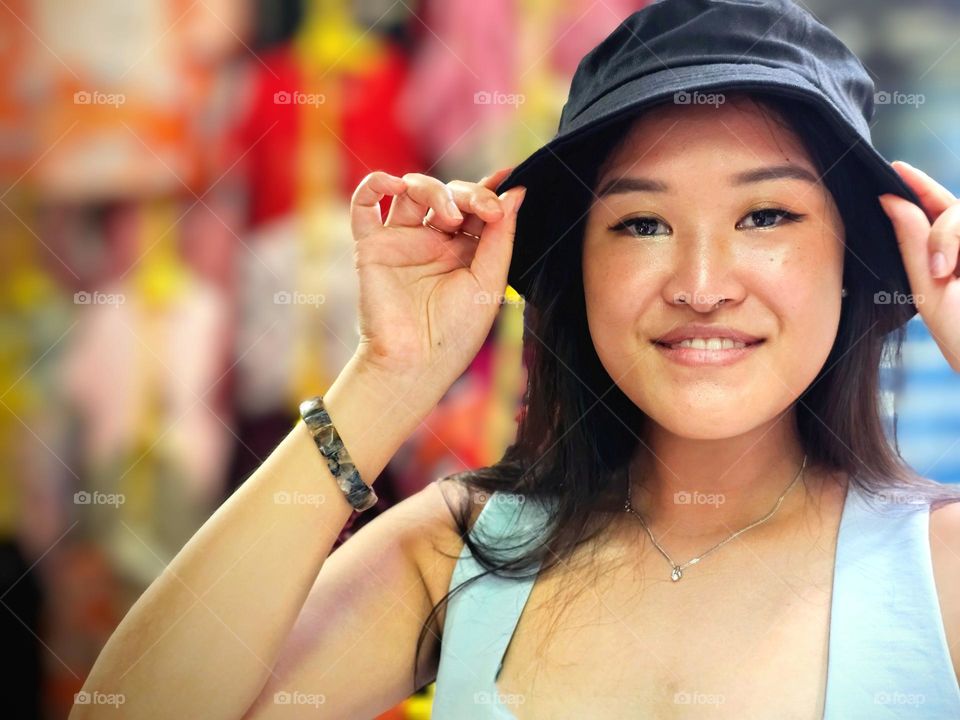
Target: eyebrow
773	172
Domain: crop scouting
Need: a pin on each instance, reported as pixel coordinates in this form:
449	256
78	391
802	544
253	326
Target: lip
699	330
695	357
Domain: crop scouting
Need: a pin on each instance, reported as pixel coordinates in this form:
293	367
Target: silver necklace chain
677	572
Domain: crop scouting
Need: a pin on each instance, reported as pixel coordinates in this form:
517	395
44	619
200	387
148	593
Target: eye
638	226
766	213
646	226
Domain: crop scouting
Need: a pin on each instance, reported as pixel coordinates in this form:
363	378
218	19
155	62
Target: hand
929	237
428	297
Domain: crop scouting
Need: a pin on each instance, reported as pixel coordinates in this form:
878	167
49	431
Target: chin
716	414
696	430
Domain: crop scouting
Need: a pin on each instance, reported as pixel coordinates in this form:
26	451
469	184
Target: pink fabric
473	47
114	360
467	47
582	25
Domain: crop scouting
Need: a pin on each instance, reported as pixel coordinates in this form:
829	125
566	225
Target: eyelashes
630	226
633	226
786	214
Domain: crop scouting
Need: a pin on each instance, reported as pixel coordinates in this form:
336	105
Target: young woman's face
691	219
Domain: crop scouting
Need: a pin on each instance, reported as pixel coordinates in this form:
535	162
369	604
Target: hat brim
545	171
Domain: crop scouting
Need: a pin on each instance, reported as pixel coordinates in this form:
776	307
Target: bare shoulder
945	555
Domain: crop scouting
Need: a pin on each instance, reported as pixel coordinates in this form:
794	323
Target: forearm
207	632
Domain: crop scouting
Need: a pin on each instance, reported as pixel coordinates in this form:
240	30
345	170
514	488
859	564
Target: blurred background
176	269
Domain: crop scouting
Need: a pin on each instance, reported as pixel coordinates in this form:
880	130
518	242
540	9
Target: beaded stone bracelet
327	439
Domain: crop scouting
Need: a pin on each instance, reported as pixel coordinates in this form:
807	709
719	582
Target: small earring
843	293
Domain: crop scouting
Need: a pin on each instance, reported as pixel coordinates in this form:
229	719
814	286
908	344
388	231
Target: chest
743	635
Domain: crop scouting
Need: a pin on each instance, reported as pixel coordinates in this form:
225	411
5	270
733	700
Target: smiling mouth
709	344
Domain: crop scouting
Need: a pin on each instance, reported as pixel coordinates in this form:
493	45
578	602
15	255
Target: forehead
736	131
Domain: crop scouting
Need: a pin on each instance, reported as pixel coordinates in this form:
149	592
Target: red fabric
267	138
372	126
369	130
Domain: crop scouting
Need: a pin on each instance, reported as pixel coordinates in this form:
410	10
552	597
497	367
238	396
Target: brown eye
766	217
638	227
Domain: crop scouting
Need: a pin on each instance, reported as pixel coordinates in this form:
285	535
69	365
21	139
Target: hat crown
675	33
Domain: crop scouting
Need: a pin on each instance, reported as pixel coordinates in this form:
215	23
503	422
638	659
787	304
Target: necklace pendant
676	574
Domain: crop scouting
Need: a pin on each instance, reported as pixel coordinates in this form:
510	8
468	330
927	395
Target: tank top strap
480	618
888	653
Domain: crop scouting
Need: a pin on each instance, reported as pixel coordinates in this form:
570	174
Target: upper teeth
710	343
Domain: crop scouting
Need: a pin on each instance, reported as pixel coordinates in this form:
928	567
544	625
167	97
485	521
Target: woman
681	522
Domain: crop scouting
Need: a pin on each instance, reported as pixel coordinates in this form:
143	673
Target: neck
698	489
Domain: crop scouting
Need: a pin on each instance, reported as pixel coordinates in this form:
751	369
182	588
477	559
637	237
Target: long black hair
577	430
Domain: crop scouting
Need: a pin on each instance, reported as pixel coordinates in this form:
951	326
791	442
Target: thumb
492	258
912	228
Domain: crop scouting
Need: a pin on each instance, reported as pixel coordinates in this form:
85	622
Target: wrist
374	413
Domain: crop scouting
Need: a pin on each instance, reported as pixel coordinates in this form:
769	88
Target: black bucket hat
674	48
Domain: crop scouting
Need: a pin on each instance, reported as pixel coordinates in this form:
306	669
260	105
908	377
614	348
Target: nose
704	274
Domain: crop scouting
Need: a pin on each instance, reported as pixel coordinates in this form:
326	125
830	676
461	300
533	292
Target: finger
945	242
479	205
492	259
934	197
479	200
461	247
424	193
913	237
365	215
473	222
493	180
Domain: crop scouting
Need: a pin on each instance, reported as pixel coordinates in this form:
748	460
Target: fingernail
453	210
938	264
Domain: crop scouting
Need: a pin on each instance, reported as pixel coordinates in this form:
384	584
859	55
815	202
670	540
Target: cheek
617	292
798	281
809	315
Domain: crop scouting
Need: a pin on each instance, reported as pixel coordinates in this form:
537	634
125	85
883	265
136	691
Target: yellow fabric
507	373
161	274
24	287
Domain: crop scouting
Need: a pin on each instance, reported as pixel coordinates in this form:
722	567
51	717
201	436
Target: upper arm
351	650
945	553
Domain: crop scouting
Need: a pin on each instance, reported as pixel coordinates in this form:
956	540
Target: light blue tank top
888	651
